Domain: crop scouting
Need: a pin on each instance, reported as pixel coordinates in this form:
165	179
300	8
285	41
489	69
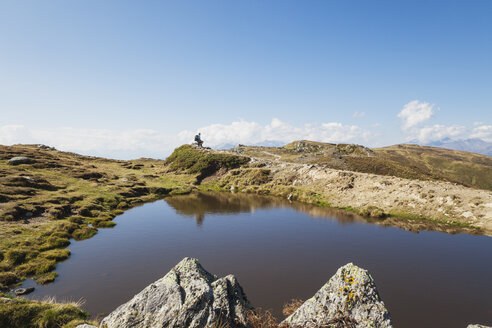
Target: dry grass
291	307
260	318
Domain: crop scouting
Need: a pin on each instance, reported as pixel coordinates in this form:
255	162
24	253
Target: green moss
84	233
36	267
56	254
104	224
47	278
55	242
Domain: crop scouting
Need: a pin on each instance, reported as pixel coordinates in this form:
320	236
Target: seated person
198	139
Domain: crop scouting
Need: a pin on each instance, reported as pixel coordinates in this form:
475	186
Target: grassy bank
22	313
57	197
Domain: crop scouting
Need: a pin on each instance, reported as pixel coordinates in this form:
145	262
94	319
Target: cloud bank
150	143
253	133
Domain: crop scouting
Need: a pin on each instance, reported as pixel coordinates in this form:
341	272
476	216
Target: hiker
198	139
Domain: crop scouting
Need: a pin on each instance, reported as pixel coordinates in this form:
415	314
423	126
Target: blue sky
130	78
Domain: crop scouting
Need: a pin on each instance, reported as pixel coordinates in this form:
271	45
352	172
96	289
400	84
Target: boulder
477	326
23	291
20	160
187	296
85	325
349	298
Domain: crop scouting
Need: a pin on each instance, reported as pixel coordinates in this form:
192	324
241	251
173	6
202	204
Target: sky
128	79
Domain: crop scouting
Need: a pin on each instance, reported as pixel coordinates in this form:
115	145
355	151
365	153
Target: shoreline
63	196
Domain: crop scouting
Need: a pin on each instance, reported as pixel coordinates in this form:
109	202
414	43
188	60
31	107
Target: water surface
279	251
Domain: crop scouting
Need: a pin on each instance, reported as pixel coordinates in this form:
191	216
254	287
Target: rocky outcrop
20	160
477	326
187	296
349	298
85	325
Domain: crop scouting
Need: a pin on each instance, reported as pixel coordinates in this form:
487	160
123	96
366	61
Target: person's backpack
197	138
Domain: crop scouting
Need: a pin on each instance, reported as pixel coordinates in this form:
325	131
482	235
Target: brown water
281	251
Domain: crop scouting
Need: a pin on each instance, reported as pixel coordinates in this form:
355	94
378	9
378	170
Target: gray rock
477	326
85	326
187	296
23	291
349	297
20	160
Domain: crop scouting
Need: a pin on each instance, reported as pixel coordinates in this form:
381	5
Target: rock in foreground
349	298
187	296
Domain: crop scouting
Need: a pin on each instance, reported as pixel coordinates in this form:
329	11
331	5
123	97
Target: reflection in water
198	205
279	251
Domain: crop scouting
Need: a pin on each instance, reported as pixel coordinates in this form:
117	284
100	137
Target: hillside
469	169
404	161
49	197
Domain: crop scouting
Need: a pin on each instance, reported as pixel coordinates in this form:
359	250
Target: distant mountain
478	146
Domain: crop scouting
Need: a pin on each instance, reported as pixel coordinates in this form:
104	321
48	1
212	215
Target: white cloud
438	132
483	132
252	133
358	114
414	113
136	143
104	142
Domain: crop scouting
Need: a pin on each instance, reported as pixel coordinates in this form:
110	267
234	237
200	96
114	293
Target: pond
279	251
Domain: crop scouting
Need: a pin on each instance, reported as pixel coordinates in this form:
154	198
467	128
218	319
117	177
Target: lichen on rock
349	297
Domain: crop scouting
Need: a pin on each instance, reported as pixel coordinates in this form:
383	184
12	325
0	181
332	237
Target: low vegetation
57	197
22	313
404	161
192	160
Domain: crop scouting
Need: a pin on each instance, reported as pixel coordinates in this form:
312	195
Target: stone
23	291
477	326
187	296
85	325
20	160
349	298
